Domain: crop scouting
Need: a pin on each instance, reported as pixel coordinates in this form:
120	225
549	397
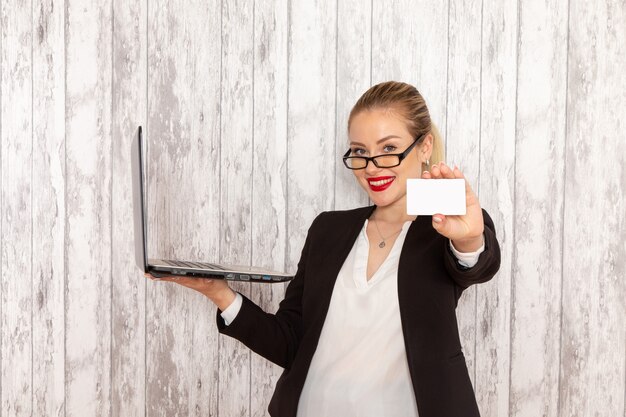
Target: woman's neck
393	213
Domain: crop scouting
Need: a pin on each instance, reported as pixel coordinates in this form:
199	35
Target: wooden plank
409	43
183	182
49	227
593	341
311	160
311	119
269	185
462	132
88	196
200	97
17	194
354	50
539	155
236	161
128	366
497	181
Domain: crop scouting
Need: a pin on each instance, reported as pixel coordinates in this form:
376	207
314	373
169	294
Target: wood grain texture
354	48
245	106
395	43
269	179
594	311
236	161
183	134
409	43
48	216
200	84
496	188
128	344
17	195
311	119
88	197
539	161
462	131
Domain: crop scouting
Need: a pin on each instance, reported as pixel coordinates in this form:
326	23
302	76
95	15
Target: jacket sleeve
488	261
274	336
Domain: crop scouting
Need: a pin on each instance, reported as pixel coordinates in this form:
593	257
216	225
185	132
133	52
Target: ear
426	148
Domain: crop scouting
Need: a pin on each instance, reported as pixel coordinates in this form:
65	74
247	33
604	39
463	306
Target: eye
389	148
358	151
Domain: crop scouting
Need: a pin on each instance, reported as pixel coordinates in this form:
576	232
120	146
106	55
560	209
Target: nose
371	168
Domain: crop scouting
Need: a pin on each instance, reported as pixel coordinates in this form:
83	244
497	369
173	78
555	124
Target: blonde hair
405	100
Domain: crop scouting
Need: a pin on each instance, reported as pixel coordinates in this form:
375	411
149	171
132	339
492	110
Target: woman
368	326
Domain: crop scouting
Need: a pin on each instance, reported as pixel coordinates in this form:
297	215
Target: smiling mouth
380	183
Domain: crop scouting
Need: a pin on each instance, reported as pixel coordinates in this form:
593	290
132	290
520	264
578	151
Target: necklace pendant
381	244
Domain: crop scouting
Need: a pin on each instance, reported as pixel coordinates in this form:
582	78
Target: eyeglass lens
382	161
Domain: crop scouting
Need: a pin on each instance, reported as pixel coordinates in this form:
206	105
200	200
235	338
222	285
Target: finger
168	278
438	221
426	175
458	174
192	283
468	188
435	172
446	171
154	278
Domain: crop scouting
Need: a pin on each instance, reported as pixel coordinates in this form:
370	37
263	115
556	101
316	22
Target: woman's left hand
465	232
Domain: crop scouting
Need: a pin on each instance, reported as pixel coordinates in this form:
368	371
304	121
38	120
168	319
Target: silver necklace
382	242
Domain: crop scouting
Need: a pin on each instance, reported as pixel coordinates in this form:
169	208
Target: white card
434	196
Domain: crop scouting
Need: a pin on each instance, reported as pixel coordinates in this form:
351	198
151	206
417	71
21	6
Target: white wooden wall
245	106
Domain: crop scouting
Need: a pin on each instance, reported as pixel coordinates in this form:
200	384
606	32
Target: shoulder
339	219
333	231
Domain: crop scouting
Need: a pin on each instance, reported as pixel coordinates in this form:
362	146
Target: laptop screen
139	218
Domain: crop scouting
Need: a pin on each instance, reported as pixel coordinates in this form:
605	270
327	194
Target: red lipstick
380	183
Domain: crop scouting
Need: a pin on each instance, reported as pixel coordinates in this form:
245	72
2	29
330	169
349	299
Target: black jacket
430	282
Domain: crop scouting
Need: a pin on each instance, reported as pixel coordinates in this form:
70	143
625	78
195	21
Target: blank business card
431	196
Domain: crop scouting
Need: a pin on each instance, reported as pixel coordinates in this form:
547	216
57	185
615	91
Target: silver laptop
164	267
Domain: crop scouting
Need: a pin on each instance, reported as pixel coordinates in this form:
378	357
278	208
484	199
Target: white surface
433	196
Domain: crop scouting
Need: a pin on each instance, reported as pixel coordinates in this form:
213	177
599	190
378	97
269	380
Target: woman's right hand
217	290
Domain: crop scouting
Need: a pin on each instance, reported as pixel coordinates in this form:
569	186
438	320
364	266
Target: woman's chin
380	201
382	198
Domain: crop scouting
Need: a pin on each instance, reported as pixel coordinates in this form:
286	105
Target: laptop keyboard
188	264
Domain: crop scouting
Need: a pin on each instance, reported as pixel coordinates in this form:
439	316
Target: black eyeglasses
381	161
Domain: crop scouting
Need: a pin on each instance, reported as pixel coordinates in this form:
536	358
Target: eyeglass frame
400	156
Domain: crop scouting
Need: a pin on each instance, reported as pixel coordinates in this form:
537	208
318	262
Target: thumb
439	222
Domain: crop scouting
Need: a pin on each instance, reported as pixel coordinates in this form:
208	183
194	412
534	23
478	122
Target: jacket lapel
339	239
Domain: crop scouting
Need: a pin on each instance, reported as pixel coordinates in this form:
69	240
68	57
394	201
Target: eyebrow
378	141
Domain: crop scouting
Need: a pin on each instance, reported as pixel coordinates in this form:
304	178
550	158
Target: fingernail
425	172
436	219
